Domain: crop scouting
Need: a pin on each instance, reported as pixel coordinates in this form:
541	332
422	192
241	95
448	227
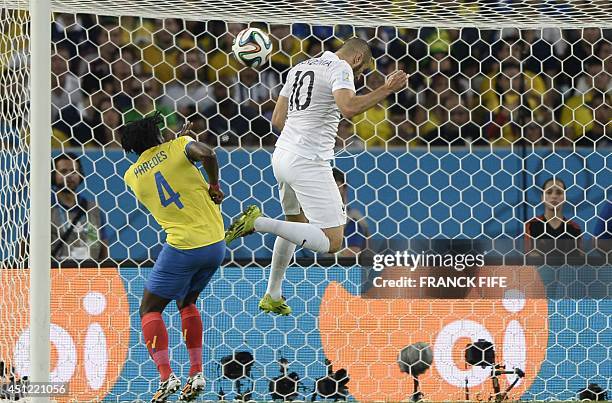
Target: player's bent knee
335	236
147	307
335	245
152	303
297	217
144	309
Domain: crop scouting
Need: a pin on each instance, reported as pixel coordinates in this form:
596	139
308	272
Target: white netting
14	168
489	115
398	13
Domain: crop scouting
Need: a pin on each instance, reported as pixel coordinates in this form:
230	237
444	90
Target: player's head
140	135
357	53
67	173
553	194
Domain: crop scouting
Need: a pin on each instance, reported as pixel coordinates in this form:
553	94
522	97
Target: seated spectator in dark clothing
356	230
76	223
586	117
459	128
599	133
233	125
552	231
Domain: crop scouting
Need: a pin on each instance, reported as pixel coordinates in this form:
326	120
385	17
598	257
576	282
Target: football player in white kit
307	113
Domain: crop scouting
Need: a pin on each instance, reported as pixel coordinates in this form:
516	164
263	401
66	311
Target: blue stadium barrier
437	194
429	194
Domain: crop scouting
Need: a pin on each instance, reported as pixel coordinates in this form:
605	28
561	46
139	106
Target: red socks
192	334
156	339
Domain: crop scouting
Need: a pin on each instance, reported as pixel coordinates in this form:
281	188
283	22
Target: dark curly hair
142	134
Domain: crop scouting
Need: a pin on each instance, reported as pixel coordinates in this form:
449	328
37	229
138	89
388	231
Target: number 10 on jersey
163	188
294	101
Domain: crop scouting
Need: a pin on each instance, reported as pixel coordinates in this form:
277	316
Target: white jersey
313	116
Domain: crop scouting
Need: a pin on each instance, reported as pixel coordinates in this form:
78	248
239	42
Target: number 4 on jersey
163	187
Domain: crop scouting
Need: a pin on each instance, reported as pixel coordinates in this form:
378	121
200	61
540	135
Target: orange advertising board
90	330
365	335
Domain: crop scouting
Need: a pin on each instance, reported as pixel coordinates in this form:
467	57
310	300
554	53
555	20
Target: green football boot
243	225
280	307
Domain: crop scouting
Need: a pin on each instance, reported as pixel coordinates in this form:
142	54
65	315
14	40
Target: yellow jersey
173	189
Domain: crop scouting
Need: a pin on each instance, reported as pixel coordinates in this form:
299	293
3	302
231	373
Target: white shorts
310	186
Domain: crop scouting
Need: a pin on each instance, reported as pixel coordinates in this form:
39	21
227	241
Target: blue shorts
179	272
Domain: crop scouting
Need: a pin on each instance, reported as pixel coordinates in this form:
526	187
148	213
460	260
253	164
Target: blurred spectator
426	124
314	48
98	68
13	115
510	81
587	118
14	37
287	48
552	231
186	88
544	116
508	118
346	137
69	32
141	30
581	43
230	124
117	31
149	102
514	99
405	132
533	134
76	223
111	120
161	56
536	51
460	127
257	90
84	132
356	230
222	66
66	96
372	126
590	78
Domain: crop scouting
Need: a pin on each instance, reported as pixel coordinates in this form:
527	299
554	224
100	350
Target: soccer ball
252	47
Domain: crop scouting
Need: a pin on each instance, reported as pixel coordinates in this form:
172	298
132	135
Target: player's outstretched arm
351	104
197	151
279	116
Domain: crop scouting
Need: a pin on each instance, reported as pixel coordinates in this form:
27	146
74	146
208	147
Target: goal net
502	97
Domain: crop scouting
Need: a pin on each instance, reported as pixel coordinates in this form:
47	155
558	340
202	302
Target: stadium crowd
468	86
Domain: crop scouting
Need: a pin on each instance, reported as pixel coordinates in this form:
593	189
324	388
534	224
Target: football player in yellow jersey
166	180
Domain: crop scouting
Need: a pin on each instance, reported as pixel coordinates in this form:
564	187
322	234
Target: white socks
302	234
281	256
288	236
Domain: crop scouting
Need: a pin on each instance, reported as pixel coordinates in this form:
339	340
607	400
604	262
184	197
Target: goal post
40	189
503	96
